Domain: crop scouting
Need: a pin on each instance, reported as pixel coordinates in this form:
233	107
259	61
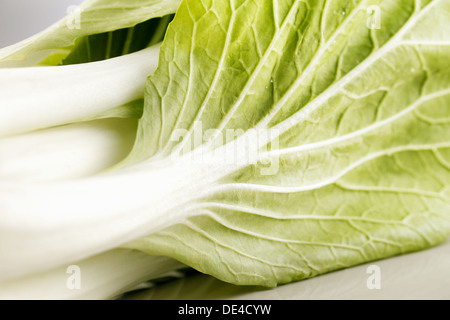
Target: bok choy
279	140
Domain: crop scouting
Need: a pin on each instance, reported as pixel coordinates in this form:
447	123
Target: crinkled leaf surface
362	122
93	17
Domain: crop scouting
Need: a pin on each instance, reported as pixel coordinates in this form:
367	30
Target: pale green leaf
362	128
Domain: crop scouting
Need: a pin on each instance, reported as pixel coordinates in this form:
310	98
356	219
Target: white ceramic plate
422	275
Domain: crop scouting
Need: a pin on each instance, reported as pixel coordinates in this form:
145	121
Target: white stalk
39	97
46	225
67	152
104	276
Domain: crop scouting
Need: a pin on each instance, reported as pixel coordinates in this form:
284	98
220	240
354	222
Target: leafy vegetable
280	140
60	95
364	129
66	152
93	17
112	44
105	276
417	276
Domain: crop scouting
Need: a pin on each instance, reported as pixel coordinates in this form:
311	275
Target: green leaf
359	124
119	42
93	17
